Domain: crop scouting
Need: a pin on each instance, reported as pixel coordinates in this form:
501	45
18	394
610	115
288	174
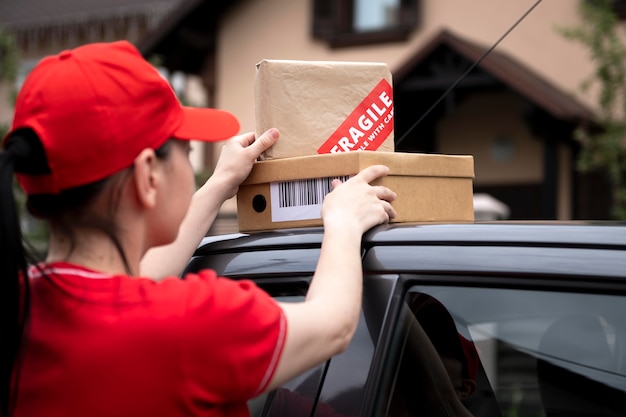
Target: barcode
305	192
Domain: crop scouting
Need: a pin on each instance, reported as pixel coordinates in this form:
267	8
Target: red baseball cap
470	354
96	107
441	329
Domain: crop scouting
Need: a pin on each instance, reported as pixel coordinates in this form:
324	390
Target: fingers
385	197
370	174
358	203
391	212
367	174
373	172
238	156
384	193
266	140
255	146
245	139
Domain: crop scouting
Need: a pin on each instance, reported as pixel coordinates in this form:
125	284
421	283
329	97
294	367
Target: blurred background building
515	113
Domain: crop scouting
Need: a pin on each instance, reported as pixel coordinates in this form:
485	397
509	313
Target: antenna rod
453	86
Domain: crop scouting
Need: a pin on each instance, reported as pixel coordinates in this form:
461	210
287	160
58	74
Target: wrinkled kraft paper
324	106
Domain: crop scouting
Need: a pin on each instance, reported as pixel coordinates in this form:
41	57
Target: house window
372	15
358	22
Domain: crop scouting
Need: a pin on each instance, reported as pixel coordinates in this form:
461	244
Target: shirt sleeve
234	334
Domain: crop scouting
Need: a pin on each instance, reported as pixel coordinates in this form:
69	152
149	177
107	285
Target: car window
333	389
299	395
342	391
525	353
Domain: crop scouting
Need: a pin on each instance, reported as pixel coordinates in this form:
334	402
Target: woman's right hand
356	203
324	324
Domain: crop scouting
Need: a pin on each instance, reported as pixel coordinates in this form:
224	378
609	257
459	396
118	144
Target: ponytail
14	258
23	153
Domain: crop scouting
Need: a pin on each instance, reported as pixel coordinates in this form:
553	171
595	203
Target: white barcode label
299	199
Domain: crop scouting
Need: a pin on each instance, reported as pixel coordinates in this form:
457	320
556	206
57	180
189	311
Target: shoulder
205	291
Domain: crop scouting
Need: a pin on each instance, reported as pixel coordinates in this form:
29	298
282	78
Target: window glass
519	353
370	15
333	389
342	391
298	396
344	23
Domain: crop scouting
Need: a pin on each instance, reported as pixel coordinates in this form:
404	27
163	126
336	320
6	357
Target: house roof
507	70
187	36
27	14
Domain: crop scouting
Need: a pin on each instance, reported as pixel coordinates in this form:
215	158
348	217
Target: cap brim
207	125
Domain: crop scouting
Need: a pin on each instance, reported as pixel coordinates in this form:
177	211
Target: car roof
550	234
535	250
583	234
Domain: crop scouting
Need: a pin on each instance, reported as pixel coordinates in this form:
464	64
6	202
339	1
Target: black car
543	307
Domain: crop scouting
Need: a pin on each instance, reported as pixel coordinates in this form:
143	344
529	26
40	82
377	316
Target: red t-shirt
102	345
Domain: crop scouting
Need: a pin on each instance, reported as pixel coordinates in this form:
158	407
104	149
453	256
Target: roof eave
511	73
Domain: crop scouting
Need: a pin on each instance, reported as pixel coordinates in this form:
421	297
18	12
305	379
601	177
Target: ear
468	386
146	178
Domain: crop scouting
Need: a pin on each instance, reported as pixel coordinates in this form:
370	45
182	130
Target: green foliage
34	230
9	62
604	147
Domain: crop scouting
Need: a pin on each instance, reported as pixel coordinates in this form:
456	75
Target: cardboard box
285	193
324	106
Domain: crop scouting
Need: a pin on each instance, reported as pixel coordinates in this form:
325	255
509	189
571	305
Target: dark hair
65	211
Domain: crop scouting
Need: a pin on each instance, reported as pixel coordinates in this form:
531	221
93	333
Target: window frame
505	281
332	22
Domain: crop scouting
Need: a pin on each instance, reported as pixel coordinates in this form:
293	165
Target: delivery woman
99	144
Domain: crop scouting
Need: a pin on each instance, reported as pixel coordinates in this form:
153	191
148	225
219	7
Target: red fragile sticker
367	126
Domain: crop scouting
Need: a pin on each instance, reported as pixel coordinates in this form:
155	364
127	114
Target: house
42	27
515	112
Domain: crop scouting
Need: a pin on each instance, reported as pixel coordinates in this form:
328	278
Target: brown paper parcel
324	106
286	193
